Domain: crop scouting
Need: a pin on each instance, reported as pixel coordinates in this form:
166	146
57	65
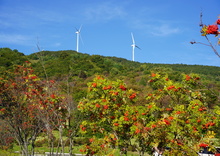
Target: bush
6	153
41	143
81	141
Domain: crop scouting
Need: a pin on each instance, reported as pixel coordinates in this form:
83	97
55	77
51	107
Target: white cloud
15	39
105	11
29	16
164	30
57	44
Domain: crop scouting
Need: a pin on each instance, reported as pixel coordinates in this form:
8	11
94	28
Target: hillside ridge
62	62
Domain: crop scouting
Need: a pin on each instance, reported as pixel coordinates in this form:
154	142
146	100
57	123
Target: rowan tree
175	115
23	97
107	108
185	119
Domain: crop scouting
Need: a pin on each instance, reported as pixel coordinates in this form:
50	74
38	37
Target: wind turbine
77	37
133	46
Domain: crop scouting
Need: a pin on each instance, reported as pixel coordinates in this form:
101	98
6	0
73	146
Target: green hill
78	68
57	63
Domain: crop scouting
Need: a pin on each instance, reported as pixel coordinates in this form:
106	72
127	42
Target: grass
8	153
42	150
76	149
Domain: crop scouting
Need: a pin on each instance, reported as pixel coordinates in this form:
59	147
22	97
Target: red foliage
126	113
187	121
52	96
97	105
99	77
153	75
105	106
2	110
188	77
109	87
169	109
170	87
33	77
202	109
153	126
212	29
132	96
115	93
203	145
112	117
149	106
123	88
134	118
170	118
178	112
137	131
116	124
197	78
166	121
82	150
52	81
218	22
94	85
126	118
82	128
151	80
91	140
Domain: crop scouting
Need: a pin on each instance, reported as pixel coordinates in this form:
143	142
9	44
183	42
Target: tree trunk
24	149
32	146
71	146
61	139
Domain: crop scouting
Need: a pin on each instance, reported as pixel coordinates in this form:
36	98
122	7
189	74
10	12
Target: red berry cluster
218	21
213	29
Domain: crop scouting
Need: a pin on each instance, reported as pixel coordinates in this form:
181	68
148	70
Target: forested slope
78	68
62	62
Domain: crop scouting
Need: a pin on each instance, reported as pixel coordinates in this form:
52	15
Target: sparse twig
205	35
41	60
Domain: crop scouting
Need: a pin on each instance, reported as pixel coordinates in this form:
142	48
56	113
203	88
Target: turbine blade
81	39
76	29
137	47
132	38
80	28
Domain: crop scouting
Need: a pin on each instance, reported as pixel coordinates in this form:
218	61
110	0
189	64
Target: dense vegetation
78	67
65	62
75	73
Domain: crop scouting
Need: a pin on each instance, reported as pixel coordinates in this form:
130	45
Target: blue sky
161	28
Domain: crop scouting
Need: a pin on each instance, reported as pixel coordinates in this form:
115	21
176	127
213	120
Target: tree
106	107
185	119
23	96
175	115
53	114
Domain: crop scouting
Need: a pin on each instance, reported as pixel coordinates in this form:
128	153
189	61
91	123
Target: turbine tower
133	46
77	37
